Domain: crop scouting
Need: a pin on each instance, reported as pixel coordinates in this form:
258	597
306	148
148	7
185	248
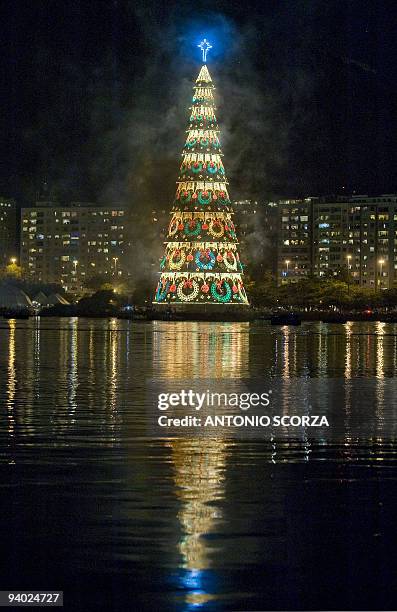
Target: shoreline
276	318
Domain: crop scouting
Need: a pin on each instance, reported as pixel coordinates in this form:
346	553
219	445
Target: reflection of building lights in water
380	373
348	327
285	352
348	351
112	387
380	363
199	474
72	377
322	357
11	377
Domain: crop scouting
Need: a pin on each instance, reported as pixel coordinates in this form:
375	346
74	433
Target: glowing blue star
205	47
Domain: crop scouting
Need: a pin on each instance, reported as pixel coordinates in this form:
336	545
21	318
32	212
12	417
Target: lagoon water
118	519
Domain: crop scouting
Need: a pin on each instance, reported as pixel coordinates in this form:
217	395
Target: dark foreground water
118	520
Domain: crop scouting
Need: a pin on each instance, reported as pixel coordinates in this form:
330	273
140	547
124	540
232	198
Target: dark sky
94	96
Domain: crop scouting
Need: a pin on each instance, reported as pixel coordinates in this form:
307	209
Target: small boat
288	318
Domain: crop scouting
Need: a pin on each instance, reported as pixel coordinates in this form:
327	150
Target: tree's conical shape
201	264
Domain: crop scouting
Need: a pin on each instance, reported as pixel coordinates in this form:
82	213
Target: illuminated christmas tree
201	264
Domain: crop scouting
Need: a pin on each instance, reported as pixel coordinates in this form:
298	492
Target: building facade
324	236
70	245
8	231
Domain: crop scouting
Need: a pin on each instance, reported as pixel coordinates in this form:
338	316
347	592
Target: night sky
95	96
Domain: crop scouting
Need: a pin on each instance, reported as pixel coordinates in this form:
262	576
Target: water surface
120	520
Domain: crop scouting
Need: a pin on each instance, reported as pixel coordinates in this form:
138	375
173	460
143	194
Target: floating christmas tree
201	264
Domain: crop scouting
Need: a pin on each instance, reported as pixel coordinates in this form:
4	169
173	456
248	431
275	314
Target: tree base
203	312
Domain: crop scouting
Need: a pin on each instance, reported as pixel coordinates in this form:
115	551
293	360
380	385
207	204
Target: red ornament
205	288
189	257
181	226
204	226
226	228
194	196
214	197
173	288
219	257
234	289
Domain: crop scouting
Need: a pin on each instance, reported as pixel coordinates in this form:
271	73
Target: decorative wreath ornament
174	225
212	168
192	227
204	197
197	167
204	141
209	262
162	290
215	228
217	288
188	284
222	198
227	256
176	264
185	196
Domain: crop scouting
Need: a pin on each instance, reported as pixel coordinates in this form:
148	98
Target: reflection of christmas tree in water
199	474
201	263
202	350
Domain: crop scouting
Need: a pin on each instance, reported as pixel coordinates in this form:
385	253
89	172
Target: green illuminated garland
219	297
196	167
185	197
195	231
204	199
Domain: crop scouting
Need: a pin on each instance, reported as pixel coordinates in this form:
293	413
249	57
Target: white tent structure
13	298
56	298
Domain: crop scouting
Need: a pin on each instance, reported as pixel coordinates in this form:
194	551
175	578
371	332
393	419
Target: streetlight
381	262
75	263
13	260
115	259
348	257
287	262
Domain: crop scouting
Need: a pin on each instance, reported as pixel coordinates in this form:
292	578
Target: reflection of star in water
199	466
